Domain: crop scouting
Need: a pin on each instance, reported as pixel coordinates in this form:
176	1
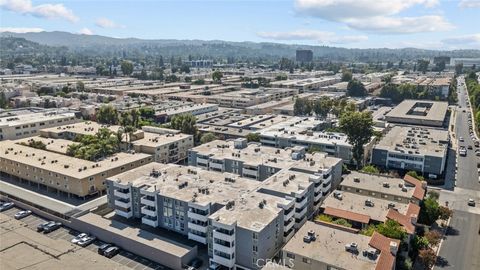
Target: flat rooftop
374	183
419	141
142	236
221	188
255	154
419	110
59	146
329	247
83	128
155	140
63	164
354	202
10	118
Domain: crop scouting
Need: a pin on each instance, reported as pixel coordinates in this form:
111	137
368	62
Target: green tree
427	257
322	107
423	65
342	222
358	126
80	86
3	100
346	75
186	123
217	76
107	114
430	210
392	229
302	106
253	137
355	88
127	68
207	137
370	169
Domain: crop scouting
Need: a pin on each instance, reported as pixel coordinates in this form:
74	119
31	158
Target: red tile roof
386	260
346	215
405	220
419	191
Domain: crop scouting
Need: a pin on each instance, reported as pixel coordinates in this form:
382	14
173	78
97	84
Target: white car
461	139
78	238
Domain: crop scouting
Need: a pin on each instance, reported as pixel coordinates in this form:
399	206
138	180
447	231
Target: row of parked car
45	227
107	250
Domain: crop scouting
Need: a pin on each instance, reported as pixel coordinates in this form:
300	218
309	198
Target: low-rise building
22	123
323	247
303	131
240	219
53	171
419	112
164	148
410	148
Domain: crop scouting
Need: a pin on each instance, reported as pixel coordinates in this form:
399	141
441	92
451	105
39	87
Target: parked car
52	227
42	226
86	241
101	249
461	139
471	202
195	264
22	214
112	251
78	238
6	206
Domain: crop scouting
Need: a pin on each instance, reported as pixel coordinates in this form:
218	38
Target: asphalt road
460	249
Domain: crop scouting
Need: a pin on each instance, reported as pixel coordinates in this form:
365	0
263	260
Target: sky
428	24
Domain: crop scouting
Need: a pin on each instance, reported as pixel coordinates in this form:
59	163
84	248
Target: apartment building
22	123
257	162
323	247
303	131
239	219
71	176
165	115
411	148
419	112
364	199
248	97
306	85
165	148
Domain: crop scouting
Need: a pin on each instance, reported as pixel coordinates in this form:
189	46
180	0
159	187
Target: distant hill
102	45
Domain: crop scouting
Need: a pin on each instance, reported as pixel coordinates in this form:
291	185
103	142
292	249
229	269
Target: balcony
145	201
197	227
317	188
301	214
302	203
120	194
289	224
288	235
217	166
223	261
202	162
124	214
288	214
196	216
250	172
147	221
229	250
318	196
299	222
123	204
223	236
197	238
146	211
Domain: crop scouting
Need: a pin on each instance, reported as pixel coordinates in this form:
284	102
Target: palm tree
119	134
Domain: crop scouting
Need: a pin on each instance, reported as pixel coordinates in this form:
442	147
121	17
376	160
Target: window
290	255
255	248
306	260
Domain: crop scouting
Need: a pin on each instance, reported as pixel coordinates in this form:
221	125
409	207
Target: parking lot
124	258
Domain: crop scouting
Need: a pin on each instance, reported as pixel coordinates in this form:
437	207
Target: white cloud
312	35
469	4
466	39
374	15
402	25
49	11
106	23
21	29
85	31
